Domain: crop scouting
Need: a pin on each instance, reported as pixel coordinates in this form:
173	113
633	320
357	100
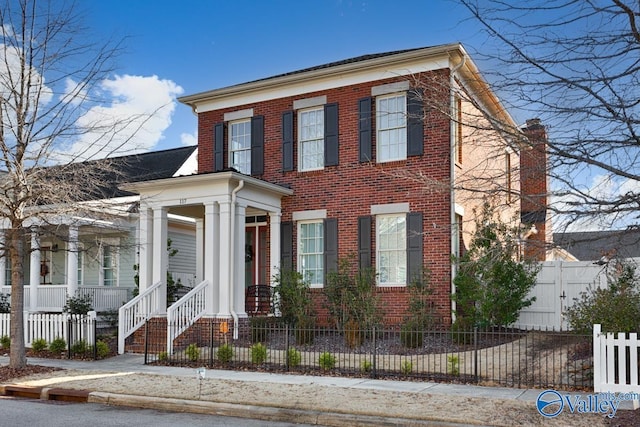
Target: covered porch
237	220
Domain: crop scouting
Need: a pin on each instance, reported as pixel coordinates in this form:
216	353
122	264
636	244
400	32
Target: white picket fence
74	327
615	363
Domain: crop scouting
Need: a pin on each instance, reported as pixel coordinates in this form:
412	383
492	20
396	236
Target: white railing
135	313
185	312
50	297
51	326
106	298
612	372
54	297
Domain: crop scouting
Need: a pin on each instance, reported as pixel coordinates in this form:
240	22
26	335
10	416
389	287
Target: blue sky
203	45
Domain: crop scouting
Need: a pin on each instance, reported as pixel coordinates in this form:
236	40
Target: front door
255	249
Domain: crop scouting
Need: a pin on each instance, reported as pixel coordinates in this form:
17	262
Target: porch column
211	254
160	256
239	261
274	237
145	242
199	251
224	238
3	261
72	261
34	271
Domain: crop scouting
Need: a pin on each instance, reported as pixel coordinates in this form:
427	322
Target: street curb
266	413
45	393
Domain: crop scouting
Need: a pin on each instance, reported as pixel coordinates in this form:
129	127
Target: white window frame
114	245
244	168
391	124
399	249
305	141
318	255
80	263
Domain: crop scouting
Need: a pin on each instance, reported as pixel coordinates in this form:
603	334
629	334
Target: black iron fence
496	356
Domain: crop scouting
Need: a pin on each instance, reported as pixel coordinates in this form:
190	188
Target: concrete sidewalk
430	397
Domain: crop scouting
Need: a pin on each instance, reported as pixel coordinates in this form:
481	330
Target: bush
294	357
5	303
102	349
58	345
258	353
366	366
293	299
412	334
225	353
5	342
326	361
406	367
163	356
79	347
39	345
616	307
453	365
192	352
78	304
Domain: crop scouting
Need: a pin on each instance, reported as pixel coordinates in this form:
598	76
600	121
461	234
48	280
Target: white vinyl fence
615	363
559	284
70	327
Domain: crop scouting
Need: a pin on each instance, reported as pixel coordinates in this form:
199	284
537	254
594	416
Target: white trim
237	115
378	250
299	253
391	208
459	210
402	86
300	142
309	215
316	101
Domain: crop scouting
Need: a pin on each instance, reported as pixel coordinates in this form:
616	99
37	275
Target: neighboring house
358	157
600	246
96	254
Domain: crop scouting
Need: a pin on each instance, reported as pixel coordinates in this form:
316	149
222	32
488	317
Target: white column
160	256
199	250
3	261
274	238
145	244
239	261
34	271
211	255
224	237
72	261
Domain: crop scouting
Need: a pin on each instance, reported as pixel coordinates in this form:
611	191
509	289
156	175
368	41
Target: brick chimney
534	185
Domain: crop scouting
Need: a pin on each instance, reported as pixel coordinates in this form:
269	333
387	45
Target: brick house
383	157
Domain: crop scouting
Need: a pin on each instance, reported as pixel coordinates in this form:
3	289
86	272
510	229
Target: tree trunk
17	353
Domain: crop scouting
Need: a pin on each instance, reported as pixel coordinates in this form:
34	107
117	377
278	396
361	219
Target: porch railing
106	298
52	298
185	312
133	314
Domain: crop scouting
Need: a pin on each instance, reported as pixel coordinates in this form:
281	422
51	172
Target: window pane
311	142
240	146
391	120
311	252
391	253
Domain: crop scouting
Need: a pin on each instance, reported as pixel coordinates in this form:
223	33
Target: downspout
232	258
452	160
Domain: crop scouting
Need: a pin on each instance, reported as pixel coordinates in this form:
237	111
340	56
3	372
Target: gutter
232	258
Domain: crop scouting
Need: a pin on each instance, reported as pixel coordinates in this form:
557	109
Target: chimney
534	185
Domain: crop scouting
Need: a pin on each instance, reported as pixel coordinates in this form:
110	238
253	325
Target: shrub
192	352
5	341
102	349
78	304
5	303
58	345
294	357
293	299
411	334
406	367
79	347
366	366
258	353
225	353
453	365
616	307
163	356
326	361
39	345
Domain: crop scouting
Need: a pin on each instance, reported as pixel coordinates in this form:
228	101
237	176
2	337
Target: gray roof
594	245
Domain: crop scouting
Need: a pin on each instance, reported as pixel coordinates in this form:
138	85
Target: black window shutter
331	146
218	147
414	245
287	141
257	145
364	241
330	245
286	245
415	123
364	129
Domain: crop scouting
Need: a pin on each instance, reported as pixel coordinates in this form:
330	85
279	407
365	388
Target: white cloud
74	92
189	138
136	112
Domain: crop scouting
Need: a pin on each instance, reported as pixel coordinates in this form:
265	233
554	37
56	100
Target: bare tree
575	65
48	70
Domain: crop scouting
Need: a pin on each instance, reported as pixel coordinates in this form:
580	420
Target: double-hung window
391	125
240	146
391	249
109	265
311	139
311	251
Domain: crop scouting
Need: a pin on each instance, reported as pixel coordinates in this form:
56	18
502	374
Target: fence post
146	341
598	363
374	372
211	341
94	320
286	345
69	335
475	354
